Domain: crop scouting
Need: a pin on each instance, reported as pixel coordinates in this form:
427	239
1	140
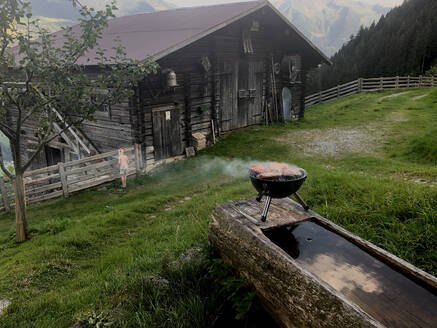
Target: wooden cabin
222	68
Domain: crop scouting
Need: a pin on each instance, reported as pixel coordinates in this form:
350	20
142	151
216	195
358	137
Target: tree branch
2	165
47	140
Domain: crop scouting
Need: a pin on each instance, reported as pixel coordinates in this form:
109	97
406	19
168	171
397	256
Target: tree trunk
20	209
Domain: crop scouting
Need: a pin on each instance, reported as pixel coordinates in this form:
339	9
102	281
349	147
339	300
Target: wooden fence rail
65	178
370	84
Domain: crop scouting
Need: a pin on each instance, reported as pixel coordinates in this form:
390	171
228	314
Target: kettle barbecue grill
277	187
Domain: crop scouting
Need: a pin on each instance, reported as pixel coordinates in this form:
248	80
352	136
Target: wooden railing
65	178
370	84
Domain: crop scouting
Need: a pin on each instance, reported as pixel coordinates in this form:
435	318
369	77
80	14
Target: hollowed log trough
309	272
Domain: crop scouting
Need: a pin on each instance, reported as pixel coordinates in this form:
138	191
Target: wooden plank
92	167
41	180
52	195
99	157
90	177
44	188
41	171
138	159
94	183
63	179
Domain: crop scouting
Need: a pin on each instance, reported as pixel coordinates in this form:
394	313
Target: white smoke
237	168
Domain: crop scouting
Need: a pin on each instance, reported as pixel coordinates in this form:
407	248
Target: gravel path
395	95
334	141
420	97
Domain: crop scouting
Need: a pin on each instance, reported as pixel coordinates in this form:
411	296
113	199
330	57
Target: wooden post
138	159
408	81
360	85
213	132
420	81
381	81
4	195
397	82
64	183
338	91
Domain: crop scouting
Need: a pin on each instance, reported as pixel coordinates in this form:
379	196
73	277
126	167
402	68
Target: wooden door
241	94
229	96
167	139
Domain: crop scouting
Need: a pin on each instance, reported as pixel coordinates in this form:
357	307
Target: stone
157	282
4	304
193	256
190	152
81	324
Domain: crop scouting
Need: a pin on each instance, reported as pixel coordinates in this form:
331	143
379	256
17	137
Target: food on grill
272	171
278	166
270	175
259	169
296	172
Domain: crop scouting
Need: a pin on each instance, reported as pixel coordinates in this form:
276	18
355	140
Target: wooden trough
309	272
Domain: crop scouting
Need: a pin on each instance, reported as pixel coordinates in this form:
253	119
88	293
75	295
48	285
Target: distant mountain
56	13
330	23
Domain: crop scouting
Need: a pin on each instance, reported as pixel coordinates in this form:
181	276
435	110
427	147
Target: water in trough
387	295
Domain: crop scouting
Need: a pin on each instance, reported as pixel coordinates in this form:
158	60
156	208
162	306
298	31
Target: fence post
408	81
420	81
138	159
397	82
4	195
338	91
381	81
61	168
360	85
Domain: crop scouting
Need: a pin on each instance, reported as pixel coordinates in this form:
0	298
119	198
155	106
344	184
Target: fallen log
308	272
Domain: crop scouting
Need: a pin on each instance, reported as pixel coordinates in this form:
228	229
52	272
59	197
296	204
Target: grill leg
266	209
301	201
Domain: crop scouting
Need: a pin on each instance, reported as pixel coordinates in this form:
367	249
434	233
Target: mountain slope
404	42
330	23
56	13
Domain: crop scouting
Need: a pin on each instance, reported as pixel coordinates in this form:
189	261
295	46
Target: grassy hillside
371	167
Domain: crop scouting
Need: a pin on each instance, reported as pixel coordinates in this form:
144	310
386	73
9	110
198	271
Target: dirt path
394	95
420	97
335	141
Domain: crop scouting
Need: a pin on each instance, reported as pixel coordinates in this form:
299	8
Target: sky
187	3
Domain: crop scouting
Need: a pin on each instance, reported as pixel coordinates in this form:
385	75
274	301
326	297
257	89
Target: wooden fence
65	178
371	84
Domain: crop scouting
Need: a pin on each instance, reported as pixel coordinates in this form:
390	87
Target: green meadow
371	164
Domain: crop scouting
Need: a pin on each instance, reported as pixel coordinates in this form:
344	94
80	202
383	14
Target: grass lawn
372	169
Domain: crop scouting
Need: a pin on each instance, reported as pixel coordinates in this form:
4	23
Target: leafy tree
44	83
432	71
404	42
